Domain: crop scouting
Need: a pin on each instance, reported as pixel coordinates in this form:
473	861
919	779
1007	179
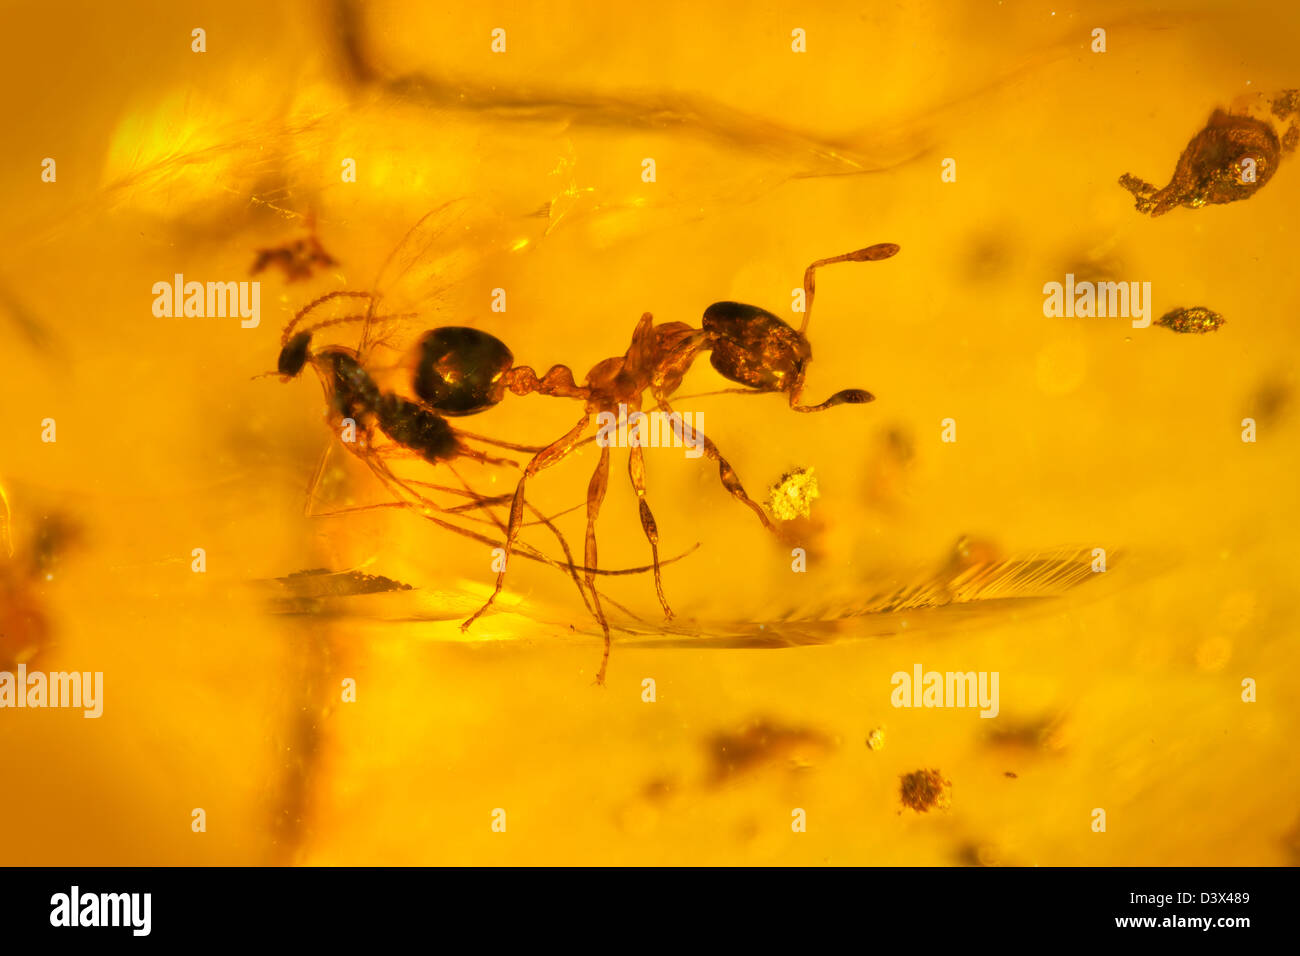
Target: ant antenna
310	306
366	317
848	396
881	250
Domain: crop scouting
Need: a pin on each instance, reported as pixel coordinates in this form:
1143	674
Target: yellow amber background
1072	433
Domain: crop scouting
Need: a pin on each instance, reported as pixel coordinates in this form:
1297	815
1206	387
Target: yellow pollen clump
793	495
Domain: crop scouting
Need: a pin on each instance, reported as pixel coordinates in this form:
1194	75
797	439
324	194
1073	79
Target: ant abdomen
461	371
416	427
752	347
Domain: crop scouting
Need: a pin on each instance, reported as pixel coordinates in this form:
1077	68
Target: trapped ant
747	345
454	376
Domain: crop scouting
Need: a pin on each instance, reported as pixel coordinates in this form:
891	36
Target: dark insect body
746	345
461	371
452	374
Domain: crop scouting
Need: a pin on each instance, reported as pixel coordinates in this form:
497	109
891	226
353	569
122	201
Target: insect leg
543	519
595	498
550	455
315	482
636	471
727	474
407	496
531	449
476	455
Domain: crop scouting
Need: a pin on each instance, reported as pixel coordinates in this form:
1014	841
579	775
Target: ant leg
531	449
727	474
418	503
429	510
548	456
568	558
543	519
595	498
309	512
319	473
315	481
476	500
354	509
485	501
476	496
408	497
636	471
466	452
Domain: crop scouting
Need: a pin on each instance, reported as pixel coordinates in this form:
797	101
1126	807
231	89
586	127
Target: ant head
461	371
294	355
754	348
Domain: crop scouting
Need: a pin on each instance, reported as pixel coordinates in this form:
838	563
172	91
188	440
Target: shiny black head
461	371
752	347
294	355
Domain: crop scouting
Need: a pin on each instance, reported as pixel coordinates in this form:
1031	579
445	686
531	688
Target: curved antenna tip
881	250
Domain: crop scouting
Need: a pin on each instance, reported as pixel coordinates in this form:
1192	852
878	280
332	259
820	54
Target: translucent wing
928	603
425	272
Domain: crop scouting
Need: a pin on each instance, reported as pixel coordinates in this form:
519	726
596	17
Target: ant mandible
747	345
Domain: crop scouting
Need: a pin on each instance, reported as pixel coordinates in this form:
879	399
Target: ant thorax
350	390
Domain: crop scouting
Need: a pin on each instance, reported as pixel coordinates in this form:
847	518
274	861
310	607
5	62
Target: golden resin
277	610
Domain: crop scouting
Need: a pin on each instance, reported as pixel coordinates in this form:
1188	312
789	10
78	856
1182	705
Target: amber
1102	513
